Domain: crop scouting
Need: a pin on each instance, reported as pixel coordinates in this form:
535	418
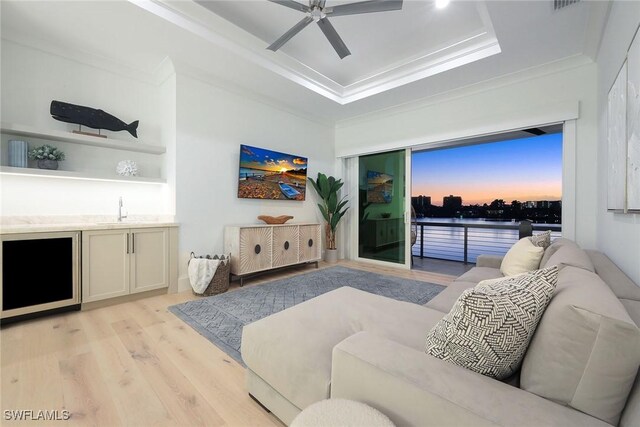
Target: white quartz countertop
44	227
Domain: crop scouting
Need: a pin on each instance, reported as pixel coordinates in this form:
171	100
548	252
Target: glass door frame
354	235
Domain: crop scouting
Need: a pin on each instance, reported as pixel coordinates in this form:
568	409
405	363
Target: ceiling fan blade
535	131
292	4
368	6
289	34
333	37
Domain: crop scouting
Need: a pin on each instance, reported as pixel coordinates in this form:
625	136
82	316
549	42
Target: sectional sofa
355	345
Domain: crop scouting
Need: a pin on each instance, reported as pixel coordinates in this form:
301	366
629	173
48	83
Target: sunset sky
522	169
259	158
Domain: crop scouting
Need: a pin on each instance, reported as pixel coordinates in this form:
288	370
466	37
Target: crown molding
550	68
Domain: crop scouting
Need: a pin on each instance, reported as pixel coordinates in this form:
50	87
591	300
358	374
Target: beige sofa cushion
291	350
568	255
631	414
490	326
415	389
478	274
565	359
445	299
608	374
633	308
521	258
620	283
557	244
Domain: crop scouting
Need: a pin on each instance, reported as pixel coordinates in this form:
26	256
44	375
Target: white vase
331	256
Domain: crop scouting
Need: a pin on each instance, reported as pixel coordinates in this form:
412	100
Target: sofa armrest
414	388
491	261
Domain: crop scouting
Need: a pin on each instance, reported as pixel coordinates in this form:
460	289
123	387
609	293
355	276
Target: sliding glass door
381	207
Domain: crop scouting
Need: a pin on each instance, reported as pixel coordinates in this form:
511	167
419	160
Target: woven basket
220	281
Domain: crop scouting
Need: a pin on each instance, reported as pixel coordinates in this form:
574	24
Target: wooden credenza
256	248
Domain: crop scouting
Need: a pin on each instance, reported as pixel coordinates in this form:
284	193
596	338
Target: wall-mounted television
379	187
266	174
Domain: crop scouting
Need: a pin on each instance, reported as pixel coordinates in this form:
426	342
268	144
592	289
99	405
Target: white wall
618	234
211	125
532	97
30	80
201	125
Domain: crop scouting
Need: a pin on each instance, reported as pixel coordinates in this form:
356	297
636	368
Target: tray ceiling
389	49
379	42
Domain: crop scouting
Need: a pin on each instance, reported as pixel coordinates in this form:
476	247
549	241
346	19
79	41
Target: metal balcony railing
465	241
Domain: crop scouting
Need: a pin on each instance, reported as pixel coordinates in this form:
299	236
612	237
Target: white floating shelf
95	141
7	170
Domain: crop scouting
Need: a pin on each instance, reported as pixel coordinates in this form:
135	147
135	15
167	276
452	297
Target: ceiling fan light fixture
441	4
317	14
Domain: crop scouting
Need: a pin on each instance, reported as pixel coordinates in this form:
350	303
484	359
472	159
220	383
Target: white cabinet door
105	264
149	259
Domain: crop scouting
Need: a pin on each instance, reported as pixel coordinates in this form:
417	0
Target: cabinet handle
127	242
133	243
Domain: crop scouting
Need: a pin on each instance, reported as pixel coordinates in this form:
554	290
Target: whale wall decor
90	117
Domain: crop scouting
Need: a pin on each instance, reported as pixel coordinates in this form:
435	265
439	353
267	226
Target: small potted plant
47	156
331	208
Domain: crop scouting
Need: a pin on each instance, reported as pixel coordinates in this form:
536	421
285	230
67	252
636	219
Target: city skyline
526	169
427	201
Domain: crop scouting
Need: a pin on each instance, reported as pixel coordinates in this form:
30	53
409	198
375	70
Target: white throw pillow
523	257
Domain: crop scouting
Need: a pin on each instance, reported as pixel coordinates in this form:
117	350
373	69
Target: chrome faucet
120	216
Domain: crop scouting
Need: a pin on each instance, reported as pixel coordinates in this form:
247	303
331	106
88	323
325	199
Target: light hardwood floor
134	364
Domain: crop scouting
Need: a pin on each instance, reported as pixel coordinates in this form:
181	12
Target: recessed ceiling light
441	4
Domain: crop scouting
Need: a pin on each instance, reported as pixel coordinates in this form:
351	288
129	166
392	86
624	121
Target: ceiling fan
318	12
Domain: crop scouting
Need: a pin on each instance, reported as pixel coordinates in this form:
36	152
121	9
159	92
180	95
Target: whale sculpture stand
81	132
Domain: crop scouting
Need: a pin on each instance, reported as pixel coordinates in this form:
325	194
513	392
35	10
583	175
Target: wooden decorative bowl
275	219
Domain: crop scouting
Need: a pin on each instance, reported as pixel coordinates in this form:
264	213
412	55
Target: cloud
247	151
299	161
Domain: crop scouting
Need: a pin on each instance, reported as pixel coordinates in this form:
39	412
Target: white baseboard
183	284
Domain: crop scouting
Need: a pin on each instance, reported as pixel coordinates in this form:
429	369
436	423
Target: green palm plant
332	208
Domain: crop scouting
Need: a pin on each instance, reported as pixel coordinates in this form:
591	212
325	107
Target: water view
482	192
483	237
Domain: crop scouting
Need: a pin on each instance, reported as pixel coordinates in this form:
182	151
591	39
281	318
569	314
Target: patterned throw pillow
542	240
489	328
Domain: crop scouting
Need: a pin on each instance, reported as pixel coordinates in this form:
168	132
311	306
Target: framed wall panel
633	126
617	142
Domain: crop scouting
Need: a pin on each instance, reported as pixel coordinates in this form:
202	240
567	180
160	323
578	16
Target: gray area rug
220	318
